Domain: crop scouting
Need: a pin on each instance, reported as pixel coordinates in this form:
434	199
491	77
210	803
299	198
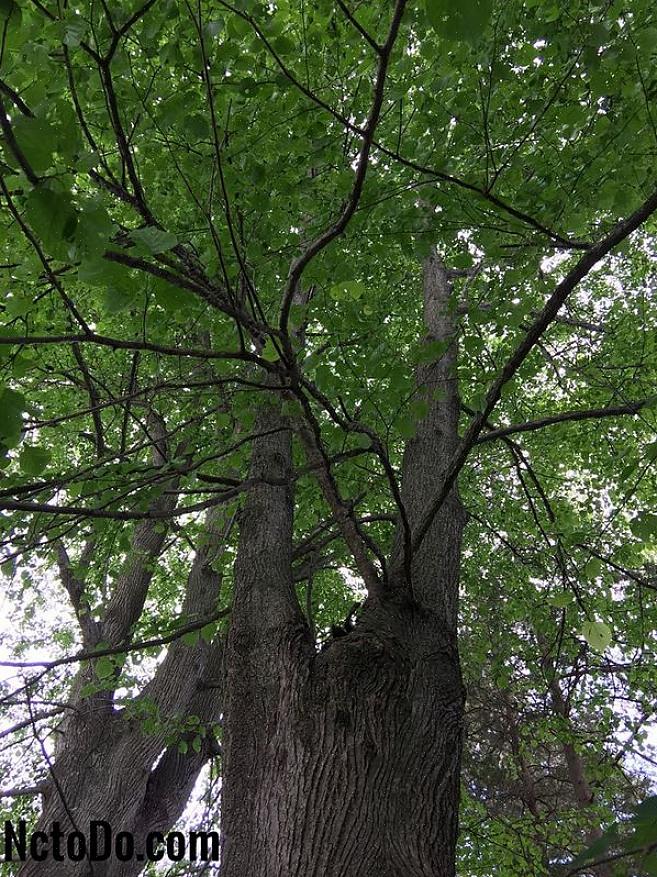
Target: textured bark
435	567
359	773
346	763
265	619
106	767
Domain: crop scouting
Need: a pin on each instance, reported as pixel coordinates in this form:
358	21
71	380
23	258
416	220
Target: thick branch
74	585
170	687
433	569
564	417
127	600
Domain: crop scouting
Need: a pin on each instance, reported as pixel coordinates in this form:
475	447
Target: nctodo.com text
101	843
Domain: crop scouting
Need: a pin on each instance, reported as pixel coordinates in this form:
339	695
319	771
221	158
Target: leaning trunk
106	767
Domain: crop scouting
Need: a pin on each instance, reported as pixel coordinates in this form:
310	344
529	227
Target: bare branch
23	792
631	408
338	226
118	650
359	27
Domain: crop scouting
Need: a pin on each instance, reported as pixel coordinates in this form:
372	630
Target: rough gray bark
105	766
346	763
358	774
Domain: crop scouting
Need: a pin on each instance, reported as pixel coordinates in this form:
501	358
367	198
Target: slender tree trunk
582	790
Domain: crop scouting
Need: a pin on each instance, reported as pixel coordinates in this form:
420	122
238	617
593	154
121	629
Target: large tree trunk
338	763
346	763
358	773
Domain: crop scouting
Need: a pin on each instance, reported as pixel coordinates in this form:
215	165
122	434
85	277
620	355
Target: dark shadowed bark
345	763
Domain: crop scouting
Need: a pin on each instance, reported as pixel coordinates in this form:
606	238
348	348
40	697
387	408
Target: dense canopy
211	204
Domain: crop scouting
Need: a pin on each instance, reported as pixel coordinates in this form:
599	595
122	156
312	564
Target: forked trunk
342	763
346	763
359	774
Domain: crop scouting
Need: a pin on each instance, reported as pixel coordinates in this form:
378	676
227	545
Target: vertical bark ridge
265	621
435	565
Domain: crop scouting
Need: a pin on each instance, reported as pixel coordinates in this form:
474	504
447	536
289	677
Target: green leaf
12	405
22	365
37	141
644	526
269	351
53	218
431	352
6	350
592	568
197	742
198	127
93	230
97	271
649	864
191	638
116	299
283	45
183	747
419	409
646	811
560	601
465	20
104	667
407	427
597	848
7	7
238	27
88	689
75	28
597	634
8	568
324	377
349	289
170	297
33	459
208	632
153	240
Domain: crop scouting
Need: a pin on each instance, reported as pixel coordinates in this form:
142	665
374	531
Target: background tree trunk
106	767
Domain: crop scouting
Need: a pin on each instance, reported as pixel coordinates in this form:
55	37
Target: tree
329	352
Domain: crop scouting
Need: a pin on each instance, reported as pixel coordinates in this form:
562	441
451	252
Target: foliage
163	164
